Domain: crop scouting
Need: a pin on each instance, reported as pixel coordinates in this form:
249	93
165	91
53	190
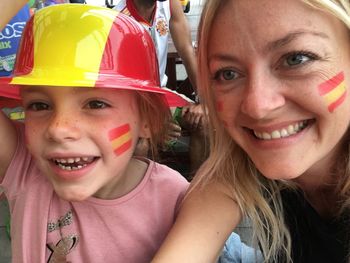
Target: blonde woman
274	76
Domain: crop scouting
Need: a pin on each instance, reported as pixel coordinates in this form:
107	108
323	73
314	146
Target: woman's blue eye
38	106
226	74
298	59
97	104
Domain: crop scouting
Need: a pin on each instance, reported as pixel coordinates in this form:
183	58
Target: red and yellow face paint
333	91
219	106
120	138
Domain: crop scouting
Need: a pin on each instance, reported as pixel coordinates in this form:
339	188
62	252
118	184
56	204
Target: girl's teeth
73	163
70	168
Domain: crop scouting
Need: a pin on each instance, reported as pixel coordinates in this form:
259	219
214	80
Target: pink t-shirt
129	229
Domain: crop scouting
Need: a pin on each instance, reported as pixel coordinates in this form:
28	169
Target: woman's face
280	72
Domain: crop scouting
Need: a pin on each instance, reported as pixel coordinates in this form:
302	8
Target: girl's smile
72	168
68	131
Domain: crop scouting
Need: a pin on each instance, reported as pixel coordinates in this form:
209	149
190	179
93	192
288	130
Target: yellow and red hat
85	46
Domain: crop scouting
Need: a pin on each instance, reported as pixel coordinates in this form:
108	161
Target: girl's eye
38	106
97	104
298	58
226	74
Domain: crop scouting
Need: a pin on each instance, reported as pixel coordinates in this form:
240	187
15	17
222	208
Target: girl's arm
8	143
206	219
9	9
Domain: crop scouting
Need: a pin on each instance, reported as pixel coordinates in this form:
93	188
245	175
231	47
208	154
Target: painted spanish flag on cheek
333	91
120	138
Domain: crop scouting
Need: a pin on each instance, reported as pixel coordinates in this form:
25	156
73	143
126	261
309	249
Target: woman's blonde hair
258	198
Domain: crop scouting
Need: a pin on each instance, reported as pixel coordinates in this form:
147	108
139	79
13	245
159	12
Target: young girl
89	84
274	76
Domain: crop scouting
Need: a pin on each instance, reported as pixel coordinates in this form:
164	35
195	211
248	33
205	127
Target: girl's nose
263	95
63	127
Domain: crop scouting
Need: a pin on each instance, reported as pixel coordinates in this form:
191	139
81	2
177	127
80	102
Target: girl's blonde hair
258	198
154	109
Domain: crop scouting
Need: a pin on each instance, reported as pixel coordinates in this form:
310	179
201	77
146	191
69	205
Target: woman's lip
69	175
277	143
274	127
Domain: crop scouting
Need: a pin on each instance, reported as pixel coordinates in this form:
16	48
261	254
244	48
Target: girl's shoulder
164	173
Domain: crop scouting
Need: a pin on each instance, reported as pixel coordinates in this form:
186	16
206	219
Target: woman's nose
263	95
63	126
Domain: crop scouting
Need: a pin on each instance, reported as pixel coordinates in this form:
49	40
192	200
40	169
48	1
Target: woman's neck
324	201
320	183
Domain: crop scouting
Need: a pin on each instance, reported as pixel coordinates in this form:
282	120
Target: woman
274	76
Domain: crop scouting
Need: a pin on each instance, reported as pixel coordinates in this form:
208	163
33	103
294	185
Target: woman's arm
206	219
8	143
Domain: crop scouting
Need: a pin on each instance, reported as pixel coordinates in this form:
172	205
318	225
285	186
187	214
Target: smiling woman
274	76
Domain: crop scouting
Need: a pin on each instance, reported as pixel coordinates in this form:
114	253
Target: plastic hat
85	46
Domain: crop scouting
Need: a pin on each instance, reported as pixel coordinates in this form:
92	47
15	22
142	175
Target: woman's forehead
246	22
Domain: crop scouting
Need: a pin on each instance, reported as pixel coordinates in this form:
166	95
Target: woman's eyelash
225	74
288	60
296	58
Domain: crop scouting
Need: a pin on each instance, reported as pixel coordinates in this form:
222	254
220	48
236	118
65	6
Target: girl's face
83	139
280	73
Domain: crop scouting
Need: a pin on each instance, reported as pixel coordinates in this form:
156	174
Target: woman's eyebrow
291	37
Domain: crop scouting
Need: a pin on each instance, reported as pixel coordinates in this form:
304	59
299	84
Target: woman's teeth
282	133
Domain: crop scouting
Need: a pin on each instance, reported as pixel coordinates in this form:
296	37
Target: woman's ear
145	131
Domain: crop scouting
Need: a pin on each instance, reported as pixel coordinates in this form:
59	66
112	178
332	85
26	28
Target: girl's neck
126	182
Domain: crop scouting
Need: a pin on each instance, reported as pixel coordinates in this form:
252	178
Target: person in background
75	189
162	19
275	77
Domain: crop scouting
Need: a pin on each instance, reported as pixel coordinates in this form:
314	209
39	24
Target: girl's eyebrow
30	89
291	37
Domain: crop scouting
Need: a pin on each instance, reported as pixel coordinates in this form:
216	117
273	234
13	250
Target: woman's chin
280	174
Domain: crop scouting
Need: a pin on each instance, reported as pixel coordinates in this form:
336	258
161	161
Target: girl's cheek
28	134
120	139
333	91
